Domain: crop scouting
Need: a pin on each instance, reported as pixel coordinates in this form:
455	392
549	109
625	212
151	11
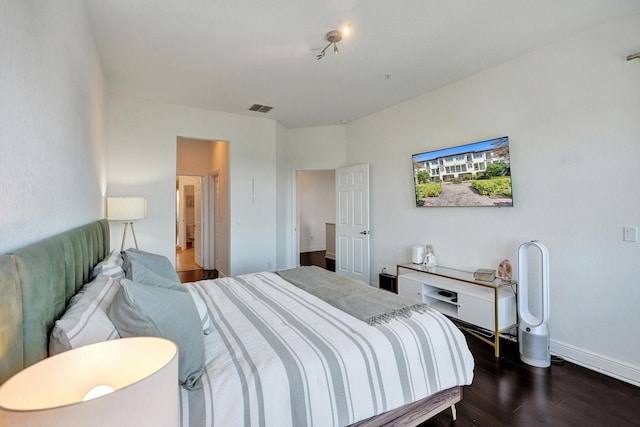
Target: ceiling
226	55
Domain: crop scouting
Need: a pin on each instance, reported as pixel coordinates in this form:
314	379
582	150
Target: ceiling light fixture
332	37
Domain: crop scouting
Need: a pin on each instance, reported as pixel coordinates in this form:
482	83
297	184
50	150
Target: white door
217	227
352	222
197	216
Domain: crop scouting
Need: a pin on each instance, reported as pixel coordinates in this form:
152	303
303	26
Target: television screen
477	174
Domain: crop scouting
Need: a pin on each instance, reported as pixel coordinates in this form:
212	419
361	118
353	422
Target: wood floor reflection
185	259
188	270
507	392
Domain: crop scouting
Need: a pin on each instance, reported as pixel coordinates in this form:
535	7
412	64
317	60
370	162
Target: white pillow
111	266
85	321
203	311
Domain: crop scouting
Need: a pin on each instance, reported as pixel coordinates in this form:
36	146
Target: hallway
185	259
188	270
317	258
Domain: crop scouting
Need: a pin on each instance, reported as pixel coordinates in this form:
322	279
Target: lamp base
124	235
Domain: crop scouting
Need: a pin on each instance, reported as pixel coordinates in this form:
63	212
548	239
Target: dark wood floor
195	275
317	258
508	392
306	258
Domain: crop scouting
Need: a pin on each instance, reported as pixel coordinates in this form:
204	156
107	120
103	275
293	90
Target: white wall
316	147
316	207
142	162
572	112
52	161
284	228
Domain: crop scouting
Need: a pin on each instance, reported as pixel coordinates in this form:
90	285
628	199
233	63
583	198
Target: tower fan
533	305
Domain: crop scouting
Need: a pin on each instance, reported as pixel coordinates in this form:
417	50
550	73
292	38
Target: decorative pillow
138	273
154	262
143	310
85	321
111	266
203	312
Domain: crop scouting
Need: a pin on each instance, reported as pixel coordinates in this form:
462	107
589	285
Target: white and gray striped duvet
279	356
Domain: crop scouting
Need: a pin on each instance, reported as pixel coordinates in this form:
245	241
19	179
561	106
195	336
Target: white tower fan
533	307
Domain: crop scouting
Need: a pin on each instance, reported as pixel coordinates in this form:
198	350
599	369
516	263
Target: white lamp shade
126	208
143	372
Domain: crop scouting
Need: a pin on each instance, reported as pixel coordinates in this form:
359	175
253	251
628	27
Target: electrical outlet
630	233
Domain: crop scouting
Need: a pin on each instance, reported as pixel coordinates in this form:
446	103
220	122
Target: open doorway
202	206
189	223
316	213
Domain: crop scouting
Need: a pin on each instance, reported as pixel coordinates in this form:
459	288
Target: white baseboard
597	362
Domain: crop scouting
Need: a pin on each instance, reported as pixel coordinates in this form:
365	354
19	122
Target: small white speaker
418	254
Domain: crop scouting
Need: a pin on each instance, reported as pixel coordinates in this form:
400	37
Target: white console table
455	293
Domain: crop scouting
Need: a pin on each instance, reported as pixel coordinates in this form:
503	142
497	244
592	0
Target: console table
457	294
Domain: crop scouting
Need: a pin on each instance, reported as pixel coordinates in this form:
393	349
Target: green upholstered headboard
36	283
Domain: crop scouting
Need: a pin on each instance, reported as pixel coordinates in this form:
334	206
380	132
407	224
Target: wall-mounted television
477	174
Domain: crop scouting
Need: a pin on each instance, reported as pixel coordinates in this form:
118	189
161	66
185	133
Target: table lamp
126	209
122	382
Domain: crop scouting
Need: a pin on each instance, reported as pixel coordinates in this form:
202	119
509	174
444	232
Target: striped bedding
279	356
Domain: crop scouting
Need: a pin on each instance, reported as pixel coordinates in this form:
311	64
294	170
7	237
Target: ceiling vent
260	108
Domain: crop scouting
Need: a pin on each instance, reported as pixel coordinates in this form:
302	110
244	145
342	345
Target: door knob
365	232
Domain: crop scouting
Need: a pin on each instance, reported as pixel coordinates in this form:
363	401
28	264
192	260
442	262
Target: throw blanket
369	304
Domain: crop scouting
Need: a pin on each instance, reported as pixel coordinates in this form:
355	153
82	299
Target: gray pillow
141	274
154	262
143	310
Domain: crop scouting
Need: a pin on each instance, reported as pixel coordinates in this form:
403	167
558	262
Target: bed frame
37	282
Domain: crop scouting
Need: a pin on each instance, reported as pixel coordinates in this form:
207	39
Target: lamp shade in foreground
142	371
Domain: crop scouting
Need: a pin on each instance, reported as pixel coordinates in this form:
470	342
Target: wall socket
630	233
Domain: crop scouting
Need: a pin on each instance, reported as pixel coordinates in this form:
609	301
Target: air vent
260	108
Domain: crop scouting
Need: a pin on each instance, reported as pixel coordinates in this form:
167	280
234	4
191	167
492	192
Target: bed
274	353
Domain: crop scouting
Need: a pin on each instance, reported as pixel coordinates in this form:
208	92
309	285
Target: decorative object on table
504	269
122	382
533	305
484	274
126	209
430	257
418	254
